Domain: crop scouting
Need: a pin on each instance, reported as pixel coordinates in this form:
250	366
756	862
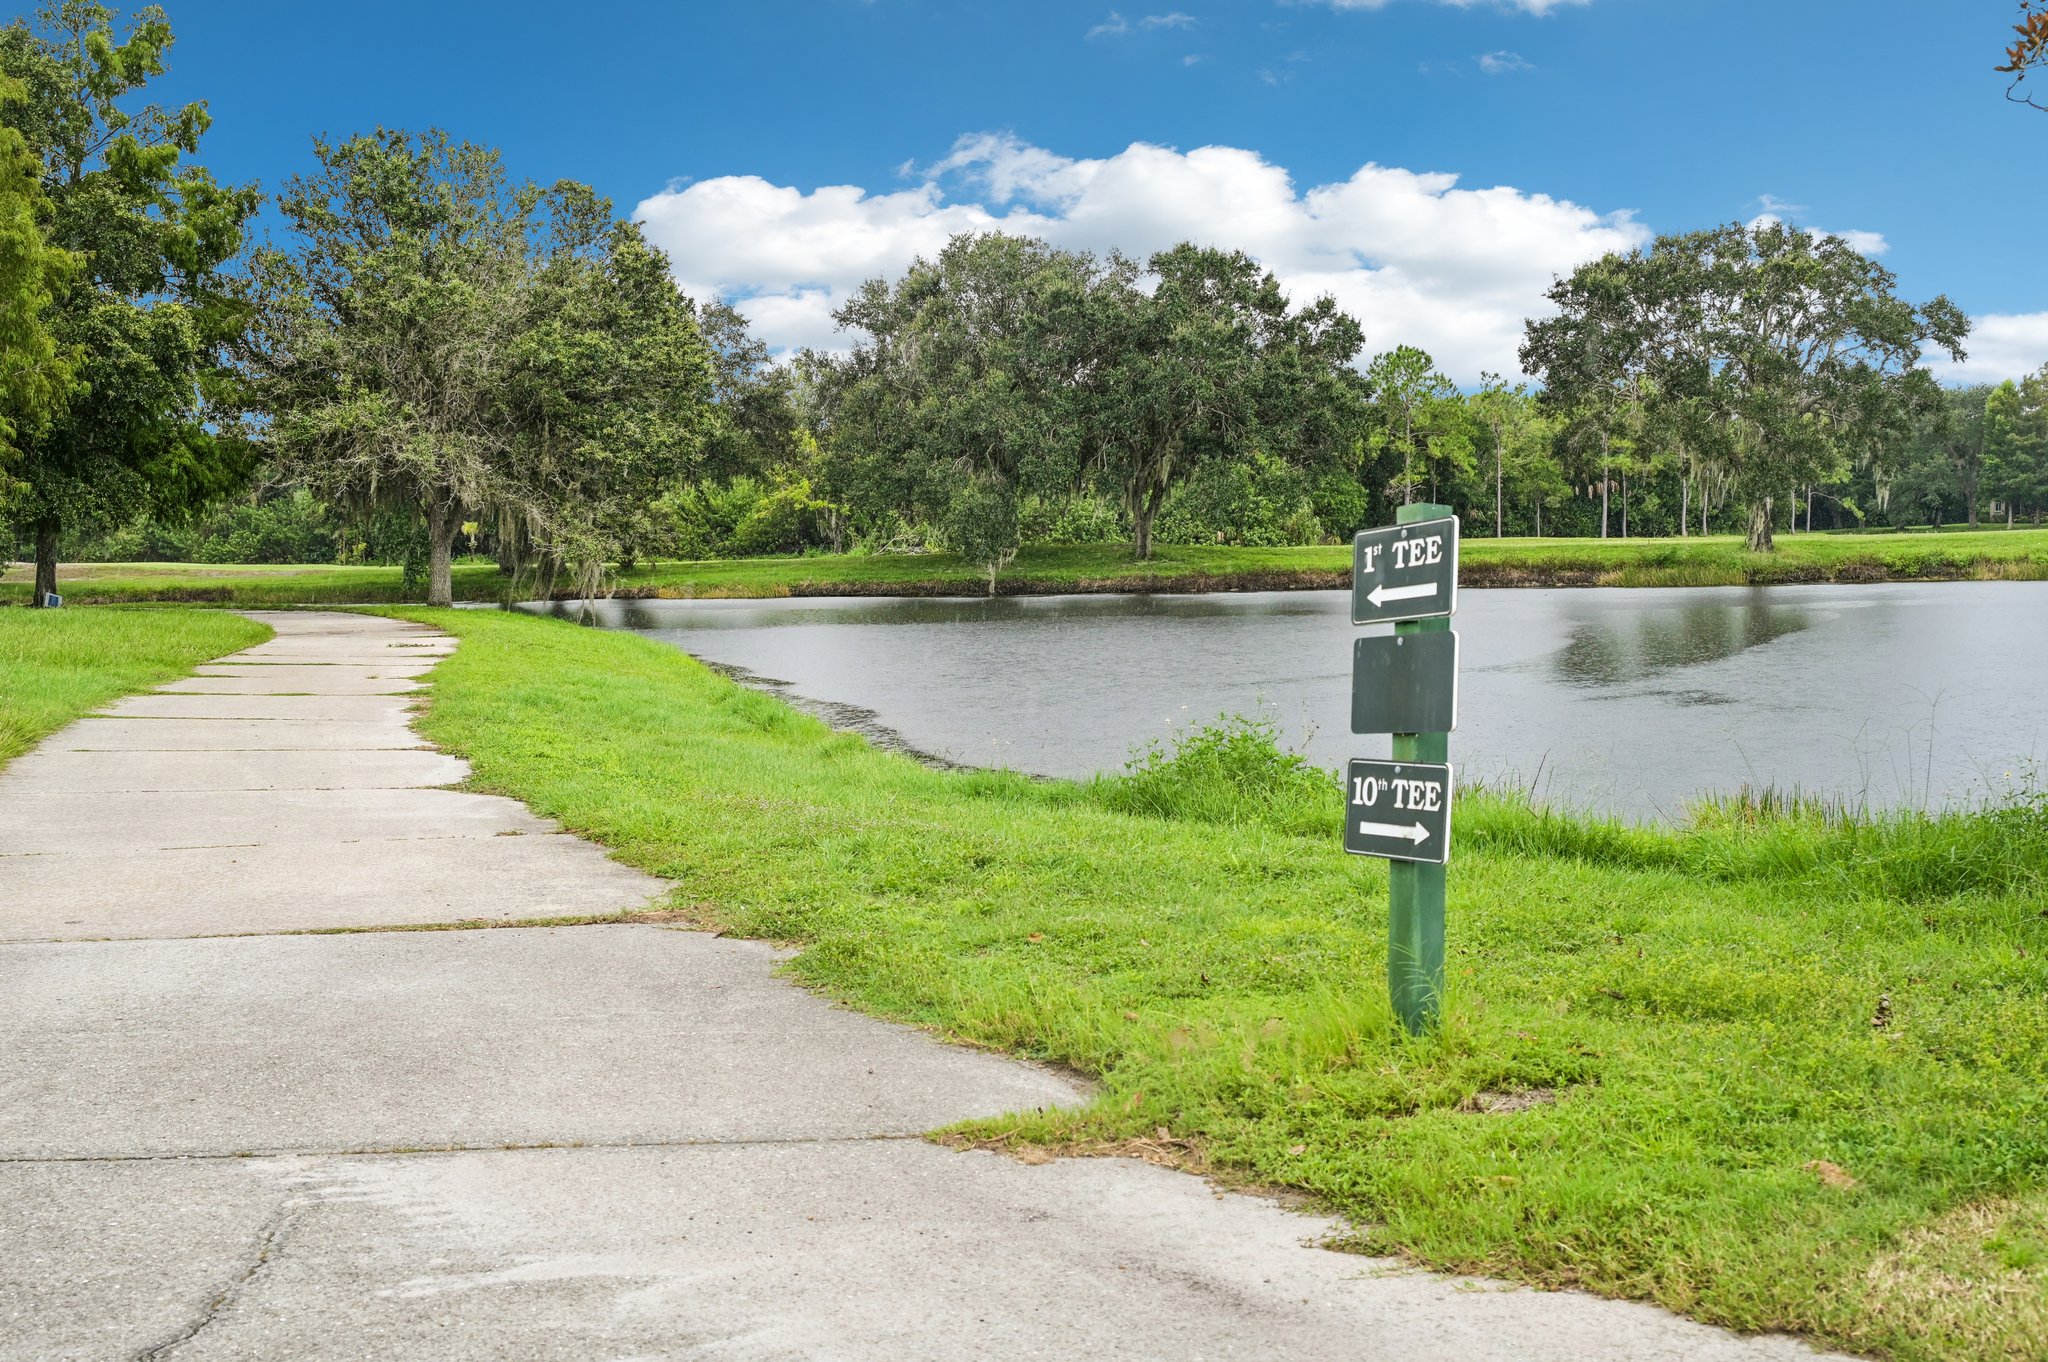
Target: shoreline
1472	577
1104	569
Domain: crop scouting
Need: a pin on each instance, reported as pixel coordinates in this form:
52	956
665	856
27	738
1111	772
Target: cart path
222	1138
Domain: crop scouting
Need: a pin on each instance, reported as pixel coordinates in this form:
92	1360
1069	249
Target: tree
1210	364
444	342
1408	400
1006	369
148	315
1955	428
965	394
1786	353
2016	445
757	425
1538	477
1607	424
1923	481
2028	52
1517	436
36	370
981	524
608	391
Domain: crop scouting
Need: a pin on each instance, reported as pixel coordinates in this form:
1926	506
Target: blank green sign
1406	683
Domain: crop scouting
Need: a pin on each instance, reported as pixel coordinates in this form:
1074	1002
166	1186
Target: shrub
746	517
1088	518
287	527
1232	771
1258	502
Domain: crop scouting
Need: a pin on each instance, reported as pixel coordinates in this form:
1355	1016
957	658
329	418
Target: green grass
56	665
1717	561
1782	1068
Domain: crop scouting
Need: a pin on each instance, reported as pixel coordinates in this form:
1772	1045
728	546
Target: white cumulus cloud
2000	346
1500	63
1864	243
1417	258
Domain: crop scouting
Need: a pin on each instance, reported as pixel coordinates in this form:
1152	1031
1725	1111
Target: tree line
433	357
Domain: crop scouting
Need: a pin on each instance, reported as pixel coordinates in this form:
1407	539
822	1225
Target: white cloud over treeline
2001	345
1417	258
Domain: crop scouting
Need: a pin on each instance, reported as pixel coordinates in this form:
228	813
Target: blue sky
1578	128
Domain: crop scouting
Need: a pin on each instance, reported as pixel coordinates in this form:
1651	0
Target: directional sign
1405	683
1398	811
1405	572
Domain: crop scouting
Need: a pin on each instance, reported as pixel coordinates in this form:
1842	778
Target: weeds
1236	772
1233	772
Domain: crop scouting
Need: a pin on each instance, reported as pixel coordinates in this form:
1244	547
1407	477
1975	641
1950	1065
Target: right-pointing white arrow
1381	594
1414	832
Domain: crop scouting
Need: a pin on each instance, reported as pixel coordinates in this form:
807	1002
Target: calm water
1630	701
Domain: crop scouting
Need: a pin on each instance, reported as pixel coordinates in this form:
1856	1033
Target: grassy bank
56	665
1717	561
1777	1070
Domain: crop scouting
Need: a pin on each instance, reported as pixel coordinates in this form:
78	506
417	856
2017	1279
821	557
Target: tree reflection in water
1612	648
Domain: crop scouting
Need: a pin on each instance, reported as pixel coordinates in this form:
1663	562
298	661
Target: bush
1084	519
1258	502
1236	772
289	527
1342	505
1232	771
981	526
746	517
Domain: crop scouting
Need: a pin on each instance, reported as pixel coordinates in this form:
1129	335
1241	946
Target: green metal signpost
1408	574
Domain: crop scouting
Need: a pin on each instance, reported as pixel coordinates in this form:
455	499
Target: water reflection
650	616
1608	648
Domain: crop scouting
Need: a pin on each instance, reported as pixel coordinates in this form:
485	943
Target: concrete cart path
599	1142
280	789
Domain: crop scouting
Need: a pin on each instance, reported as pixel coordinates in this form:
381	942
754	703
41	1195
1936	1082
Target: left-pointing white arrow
1380	594
1414	832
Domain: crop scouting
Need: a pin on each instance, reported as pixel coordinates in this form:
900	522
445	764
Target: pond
1624	701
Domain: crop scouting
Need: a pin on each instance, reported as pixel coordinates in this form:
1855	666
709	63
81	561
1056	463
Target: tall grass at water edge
1237	772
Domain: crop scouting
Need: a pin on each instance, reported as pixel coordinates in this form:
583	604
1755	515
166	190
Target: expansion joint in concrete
421	1151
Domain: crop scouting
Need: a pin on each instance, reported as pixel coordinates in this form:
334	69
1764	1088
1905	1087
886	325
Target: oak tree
36	369
1785	353
964	394
1210	362
440	340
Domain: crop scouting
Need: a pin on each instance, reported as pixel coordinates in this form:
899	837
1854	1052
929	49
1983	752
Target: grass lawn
1717	561
56	665
1771	1070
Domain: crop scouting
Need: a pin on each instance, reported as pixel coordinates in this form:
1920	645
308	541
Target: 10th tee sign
1406	684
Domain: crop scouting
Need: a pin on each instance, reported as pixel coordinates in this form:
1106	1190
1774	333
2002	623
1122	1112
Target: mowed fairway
1720	560
1772	1071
